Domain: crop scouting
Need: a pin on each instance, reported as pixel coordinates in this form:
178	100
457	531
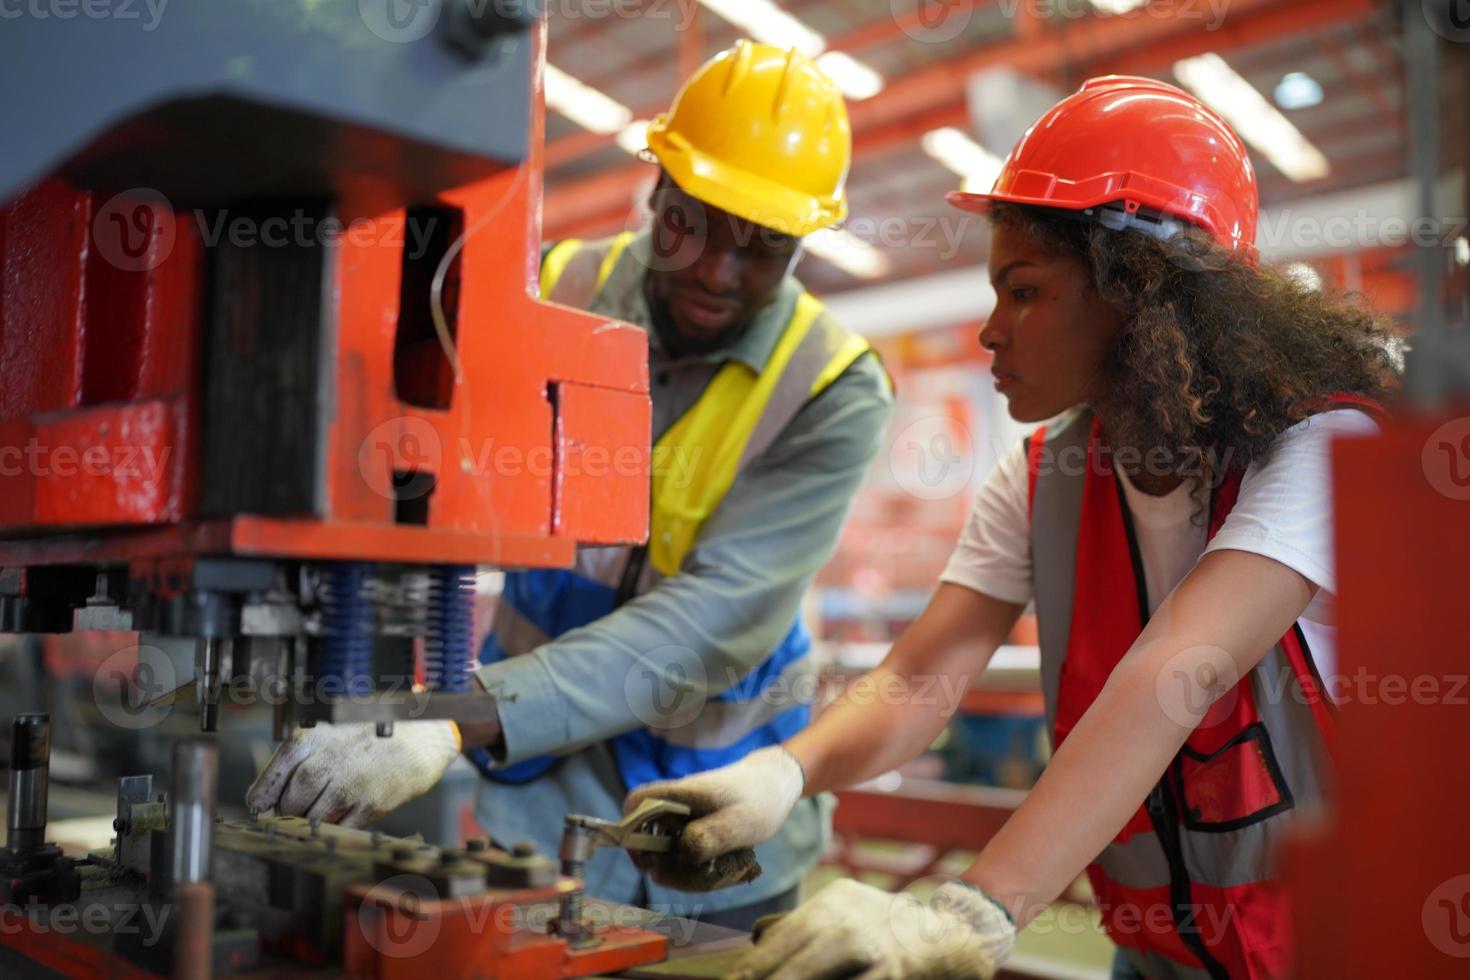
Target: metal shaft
191	821
576	848
30	758
206	689
194	940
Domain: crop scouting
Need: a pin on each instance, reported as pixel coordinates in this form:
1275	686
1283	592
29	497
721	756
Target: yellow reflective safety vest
740	414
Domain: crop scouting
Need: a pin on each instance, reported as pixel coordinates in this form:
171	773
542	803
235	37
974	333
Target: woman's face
1050	329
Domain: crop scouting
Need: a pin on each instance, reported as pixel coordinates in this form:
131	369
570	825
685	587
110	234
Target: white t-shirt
1284	512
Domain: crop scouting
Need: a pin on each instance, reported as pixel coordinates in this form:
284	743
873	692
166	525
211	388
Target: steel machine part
191	833
652	828
270	894
30	754
30	868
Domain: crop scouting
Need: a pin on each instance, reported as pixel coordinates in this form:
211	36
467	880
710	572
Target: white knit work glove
346	774
732	809
852	929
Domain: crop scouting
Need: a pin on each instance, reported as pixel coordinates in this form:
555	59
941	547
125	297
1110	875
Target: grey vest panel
1054	546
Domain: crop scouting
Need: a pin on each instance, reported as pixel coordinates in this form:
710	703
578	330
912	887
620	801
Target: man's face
711	272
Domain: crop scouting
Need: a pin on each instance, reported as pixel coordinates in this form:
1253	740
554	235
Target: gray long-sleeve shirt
734	599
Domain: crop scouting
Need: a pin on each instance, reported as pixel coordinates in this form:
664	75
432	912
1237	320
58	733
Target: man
688	653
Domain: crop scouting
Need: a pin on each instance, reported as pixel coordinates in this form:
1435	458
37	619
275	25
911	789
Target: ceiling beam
870	35
1374	94
1131	43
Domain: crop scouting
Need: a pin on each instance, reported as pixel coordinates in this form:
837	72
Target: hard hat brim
740	192
1133	189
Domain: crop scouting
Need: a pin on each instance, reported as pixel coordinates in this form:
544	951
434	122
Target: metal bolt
523	849
477	844
405	853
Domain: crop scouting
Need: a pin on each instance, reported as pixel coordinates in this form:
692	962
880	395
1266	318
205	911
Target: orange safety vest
1188	887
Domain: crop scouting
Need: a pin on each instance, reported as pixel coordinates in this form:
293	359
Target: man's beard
677	344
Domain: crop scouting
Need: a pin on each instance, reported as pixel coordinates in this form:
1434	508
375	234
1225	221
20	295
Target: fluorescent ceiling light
583	104
956	150
848	252
1257	121
856	79
634	137
765	21
1117	6
1298	90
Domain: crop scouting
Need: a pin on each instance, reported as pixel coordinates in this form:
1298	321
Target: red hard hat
1133	142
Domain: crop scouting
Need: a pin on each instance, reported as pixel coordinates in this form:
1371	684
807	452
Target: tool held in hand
651	829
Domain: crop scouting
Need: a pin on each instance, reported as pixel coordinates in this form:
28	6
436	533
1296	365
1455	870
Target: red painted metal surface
74	954
100	354
945	815
1384	890
602	470
392	934
45	235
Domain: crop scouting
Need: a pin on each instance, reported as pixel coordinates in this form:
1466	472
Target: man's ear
664	182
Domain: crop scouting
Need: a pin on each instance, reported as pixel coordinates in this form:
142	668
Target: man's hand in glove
346	774
852	929
732	809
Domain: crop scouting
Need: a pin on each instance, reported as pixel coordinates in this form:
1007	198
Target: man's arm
708	625
730	605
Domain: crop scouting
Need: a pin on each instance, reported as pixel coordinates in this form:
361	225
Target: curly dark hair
1217	357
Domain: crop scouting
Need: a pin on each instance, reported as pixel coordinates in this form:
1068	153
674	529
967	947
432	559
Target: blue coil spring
449	643
346	661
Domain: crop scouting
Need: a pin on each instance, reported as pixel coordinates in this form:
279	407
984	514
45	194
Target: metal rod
206	679
284	688
191	821
1427	377
194	941
30	758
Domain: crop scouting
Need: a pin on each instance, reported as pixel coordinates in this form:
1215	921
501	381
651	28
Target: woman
1173	527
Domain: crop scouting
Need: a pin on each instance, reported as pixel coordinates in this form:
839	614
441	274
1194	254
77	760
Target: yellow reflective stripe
852	348
610	261
555	264
695	462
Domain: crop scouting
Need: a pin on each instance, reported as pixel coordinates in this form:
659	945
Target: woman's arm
893	713
885	718
1216	625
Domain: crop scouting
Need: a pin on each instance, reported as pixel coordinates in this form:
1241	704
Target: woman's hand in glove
852	929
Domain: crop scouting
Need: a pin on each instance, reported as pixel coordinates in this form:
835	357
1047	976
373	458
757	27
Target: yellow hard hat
761	133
